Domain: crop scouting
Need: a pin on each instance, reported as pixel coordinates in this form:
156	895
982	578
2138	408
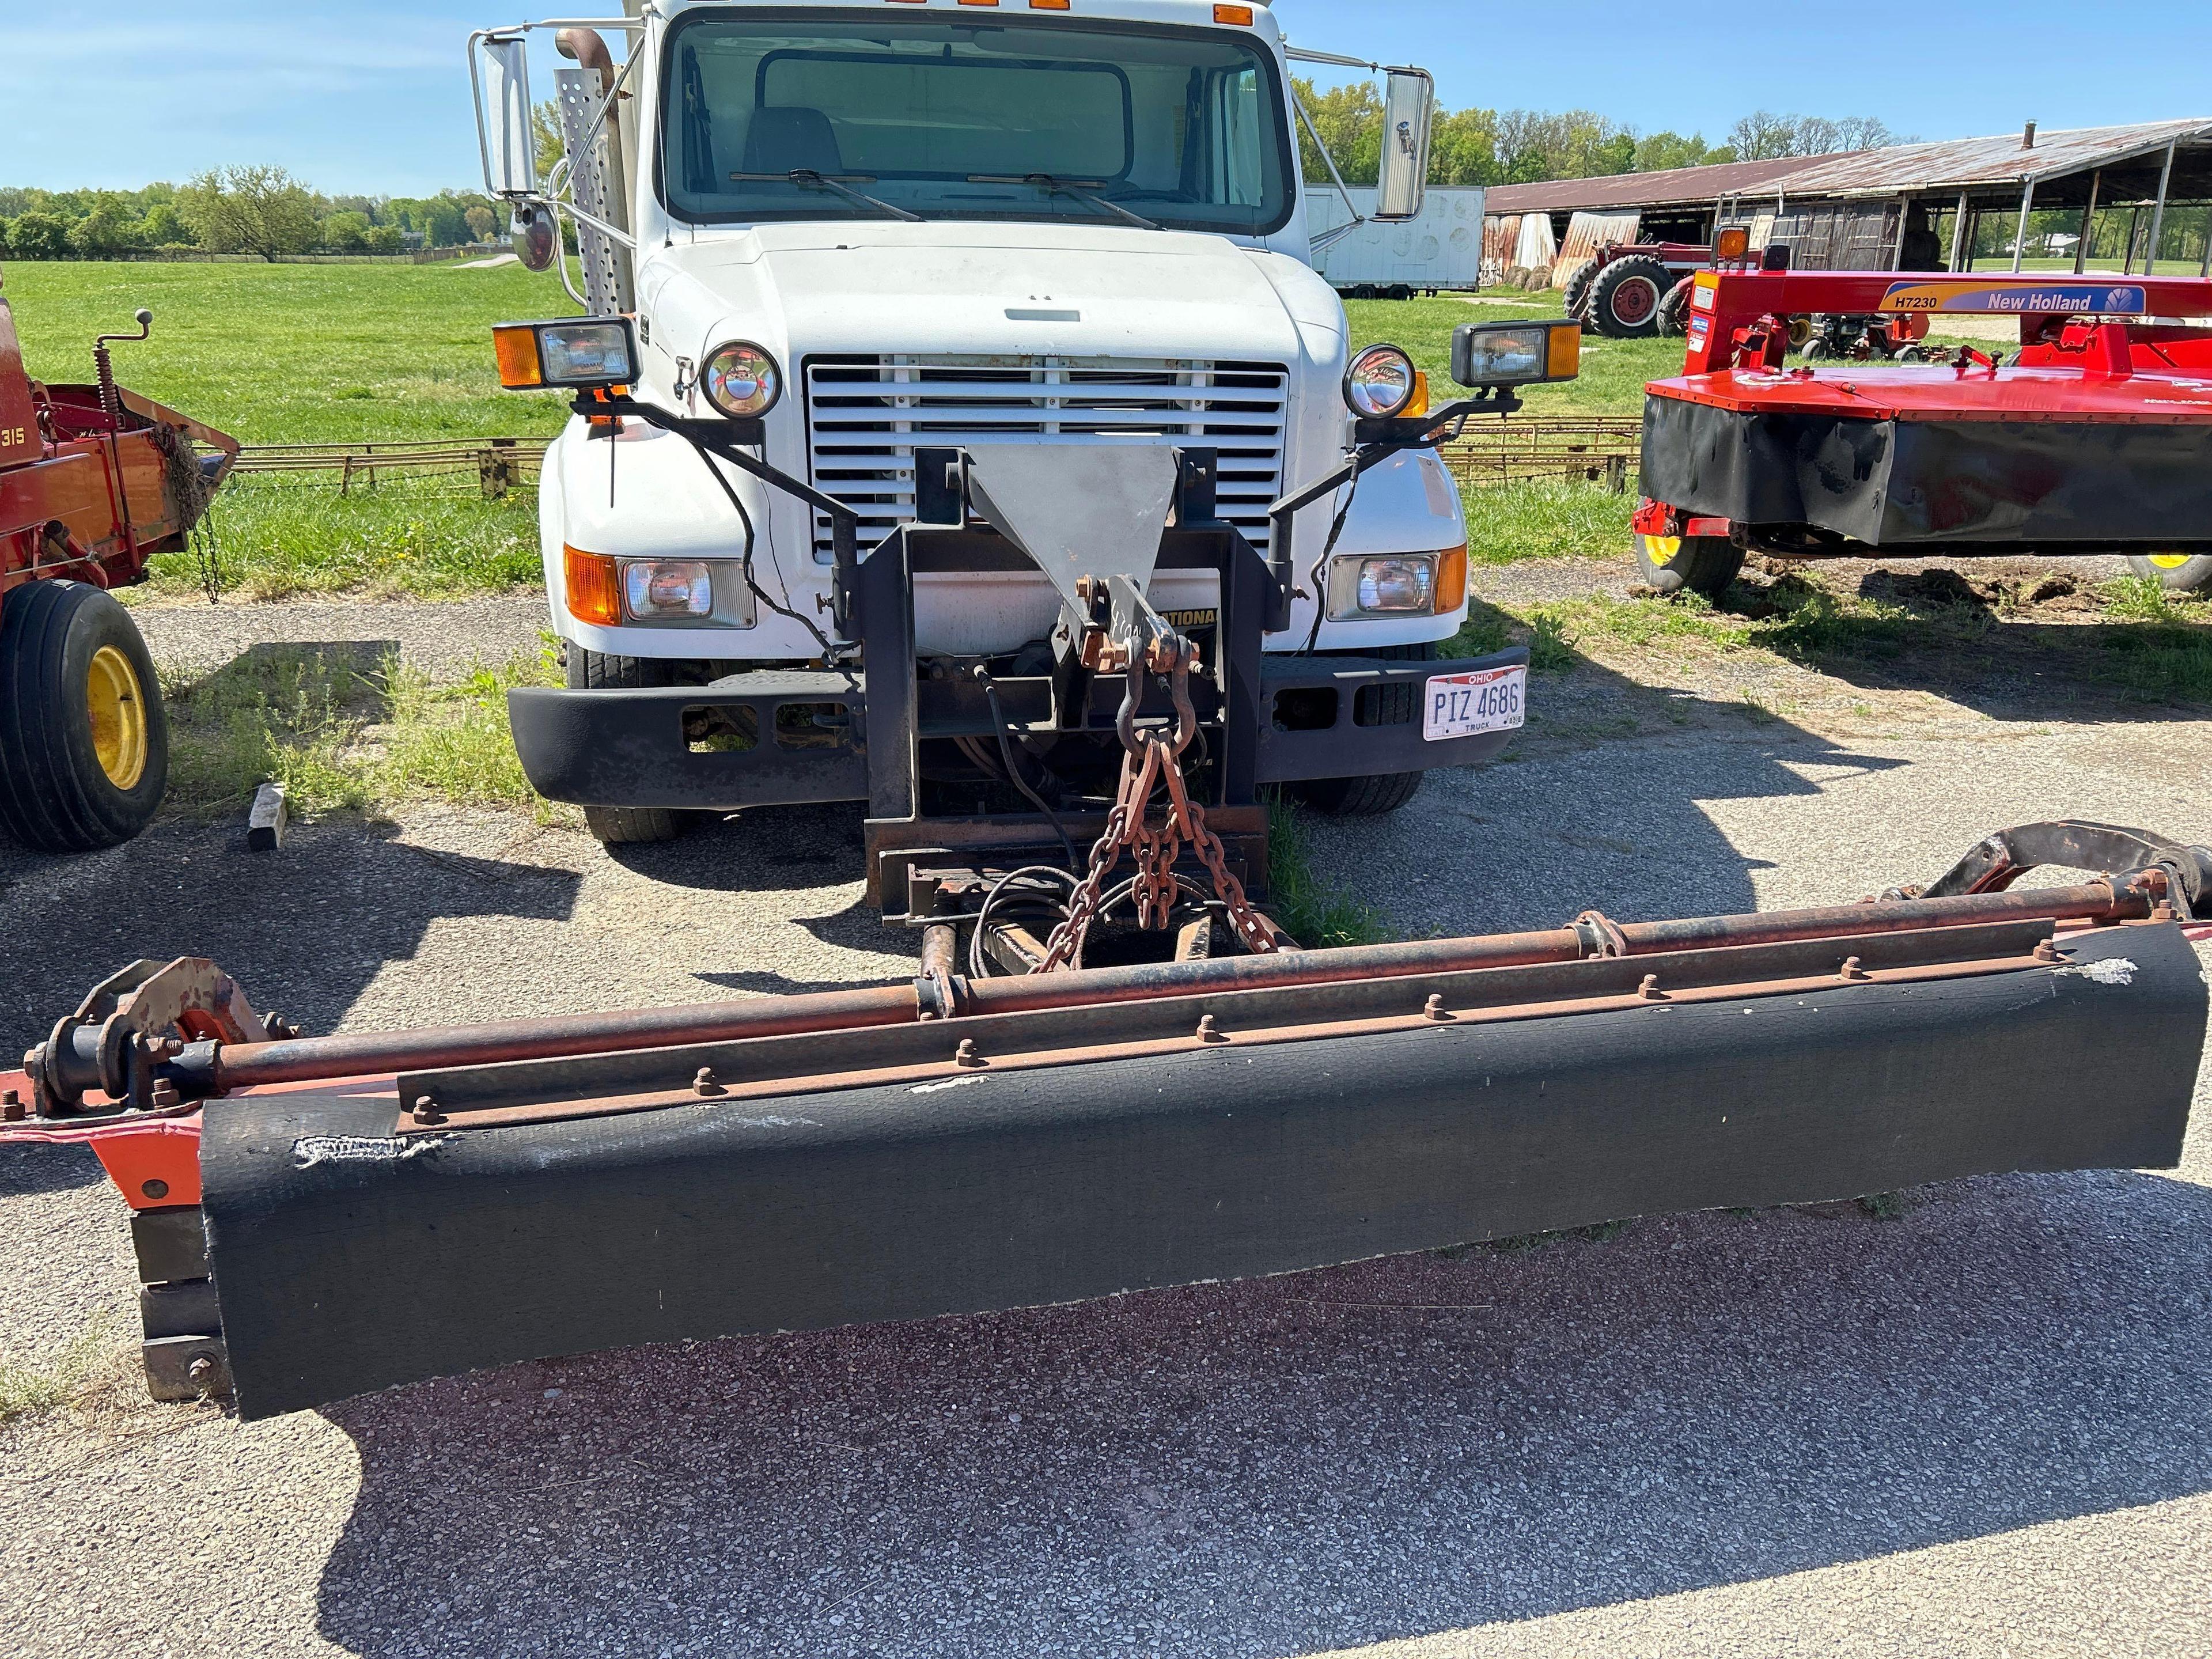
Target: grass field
296	354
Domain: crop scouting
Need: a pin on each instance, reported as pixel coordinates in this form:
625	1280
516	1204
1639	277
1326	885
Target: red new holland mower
94	479
2095	437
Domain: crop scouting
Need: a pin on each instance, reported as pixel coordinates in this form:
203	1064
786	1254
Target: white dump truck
956	401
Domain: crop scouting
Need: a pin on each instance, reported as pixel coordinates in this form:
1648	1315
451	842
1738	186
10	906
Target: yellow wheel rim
1662	550
2170	560
117	707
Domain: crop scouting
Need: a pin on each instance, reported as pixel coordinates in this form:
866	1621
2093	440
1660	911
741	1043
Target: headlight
741	380
1516	354
1380	384
1404	584
596	351
655	590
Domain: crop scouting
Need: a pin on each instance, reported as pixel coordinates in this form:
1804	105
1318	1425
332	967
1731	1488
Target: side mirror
537	235
1408	113
499	70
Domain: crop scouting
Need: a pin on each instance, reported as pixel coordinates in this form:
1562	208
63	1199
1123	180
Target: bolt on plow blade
1242	1118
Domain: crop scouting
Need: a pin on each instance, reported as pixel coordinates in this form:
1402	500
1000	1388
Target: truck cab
882	231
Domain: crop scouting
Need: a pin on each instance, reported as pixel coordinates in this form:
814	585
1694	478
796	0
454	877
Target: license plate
1462	705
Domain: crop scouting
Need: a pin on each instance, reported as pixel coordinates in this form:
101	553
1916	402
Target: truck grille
865	416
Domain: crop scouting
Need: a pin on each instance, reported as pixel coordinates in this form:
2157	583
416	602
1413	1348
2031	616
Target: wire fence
1601	450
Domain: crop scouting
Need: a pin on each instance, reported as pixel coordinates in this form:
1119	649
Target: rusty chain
1149	759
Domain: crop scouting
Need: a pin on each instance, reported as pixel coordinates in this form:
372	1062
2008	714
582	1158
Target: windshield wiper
1080	189
840	185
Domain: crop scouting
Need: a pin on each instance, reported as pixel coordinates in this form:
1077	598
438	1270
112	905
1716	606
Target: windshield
949	120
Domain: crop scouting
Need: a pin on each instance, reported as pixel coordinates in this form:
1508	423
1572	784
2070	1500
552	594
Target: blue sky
356	96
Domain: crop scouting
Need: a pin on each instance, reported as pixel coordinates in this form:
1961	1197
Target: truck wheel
1577	290
622	826
1704	565
2177	572
84	741
1675	309
1624	300
1382	792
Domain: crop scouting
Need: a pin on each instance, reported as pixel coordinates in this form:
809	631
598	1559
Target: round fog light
741	380
1380	383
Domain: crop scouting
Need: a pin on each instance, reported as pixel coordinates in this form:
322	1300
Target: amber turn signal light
594	586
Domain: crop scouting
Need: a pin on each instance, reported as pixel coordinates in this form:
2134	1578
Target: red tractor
1627	290
2093	438
94	479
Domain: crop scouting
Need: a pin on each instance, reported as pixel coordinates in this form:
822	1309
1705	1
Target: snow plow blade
483	1195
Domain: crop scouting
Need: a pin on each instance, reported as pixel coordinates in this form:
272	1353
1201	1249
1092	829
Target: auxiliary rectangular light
577	353
1516	354
1397	585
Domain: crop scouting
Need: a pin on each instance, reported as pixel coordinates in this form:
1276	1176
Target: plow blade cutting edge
378	1209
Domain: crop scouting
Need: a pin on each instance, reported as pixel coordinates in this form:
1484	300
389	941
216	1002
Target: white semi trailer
956	401
1362	257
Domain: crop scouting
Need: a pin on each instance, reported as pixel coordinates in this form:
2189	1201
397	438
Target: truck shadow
2013	641
1417	1444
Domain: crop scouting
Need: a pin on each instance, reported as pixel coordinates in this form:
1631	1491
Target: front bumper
1327	717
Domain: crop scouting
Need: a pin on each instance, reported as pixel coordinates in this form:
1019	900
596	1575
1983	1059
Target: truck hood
988	289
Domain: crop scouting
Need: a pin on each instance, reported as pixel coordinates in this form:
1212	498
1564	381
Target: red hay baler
94	479
2093	438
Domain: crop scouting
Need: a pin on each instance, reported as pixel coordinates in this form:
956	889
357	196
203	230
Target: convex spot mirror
537	235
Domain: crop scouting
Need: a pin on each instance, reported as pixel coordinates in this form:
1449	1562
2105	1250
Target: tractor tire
2177	572
1379	792
1675	310
1703	564
1625	299
1577	290
84	740
624	826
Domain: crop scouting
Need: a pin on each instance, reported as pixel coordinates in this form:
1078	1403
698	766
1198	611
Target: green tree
38	236
1350	121
252	209
546	134
1464	149
385	239
107	230
481	222
346	232
163	226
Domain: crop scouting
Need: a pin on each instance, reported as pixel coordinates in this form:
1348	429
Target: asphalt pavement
1981	1427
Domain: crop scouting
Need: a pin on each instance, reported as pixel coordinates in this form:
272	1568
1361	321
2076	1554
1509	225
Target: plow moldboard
1032	1187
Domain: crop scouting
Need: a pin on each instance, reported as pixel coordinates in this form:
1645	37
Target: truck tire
624	826
84	740
1703	564
1577	290
2177	572
1372	795
1675	309
1624	300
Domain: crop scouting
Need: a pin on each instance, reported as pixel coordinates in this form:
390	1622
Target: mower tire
596	671
1577	290
1703	564
84	740
2177	572
1625	298
1675	309
1378	792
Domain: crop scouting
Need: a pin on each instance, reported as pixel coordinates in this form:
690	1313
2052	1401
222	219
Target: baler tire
1375	793
84	740
1578	290
2176	573
1675	309
624	826
1702	564
1639	275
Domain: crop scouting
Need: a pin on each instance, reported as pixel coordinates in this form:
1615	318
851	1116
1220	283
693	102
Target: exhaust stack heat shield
857	1176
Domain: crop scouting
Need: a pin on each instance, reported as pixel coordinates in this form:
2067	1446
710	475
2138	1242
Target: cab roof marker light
1048	5
1240	16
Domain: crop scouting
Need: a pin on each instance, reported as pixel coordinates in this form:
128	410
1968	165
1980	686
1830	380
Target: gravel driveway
1982	1428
